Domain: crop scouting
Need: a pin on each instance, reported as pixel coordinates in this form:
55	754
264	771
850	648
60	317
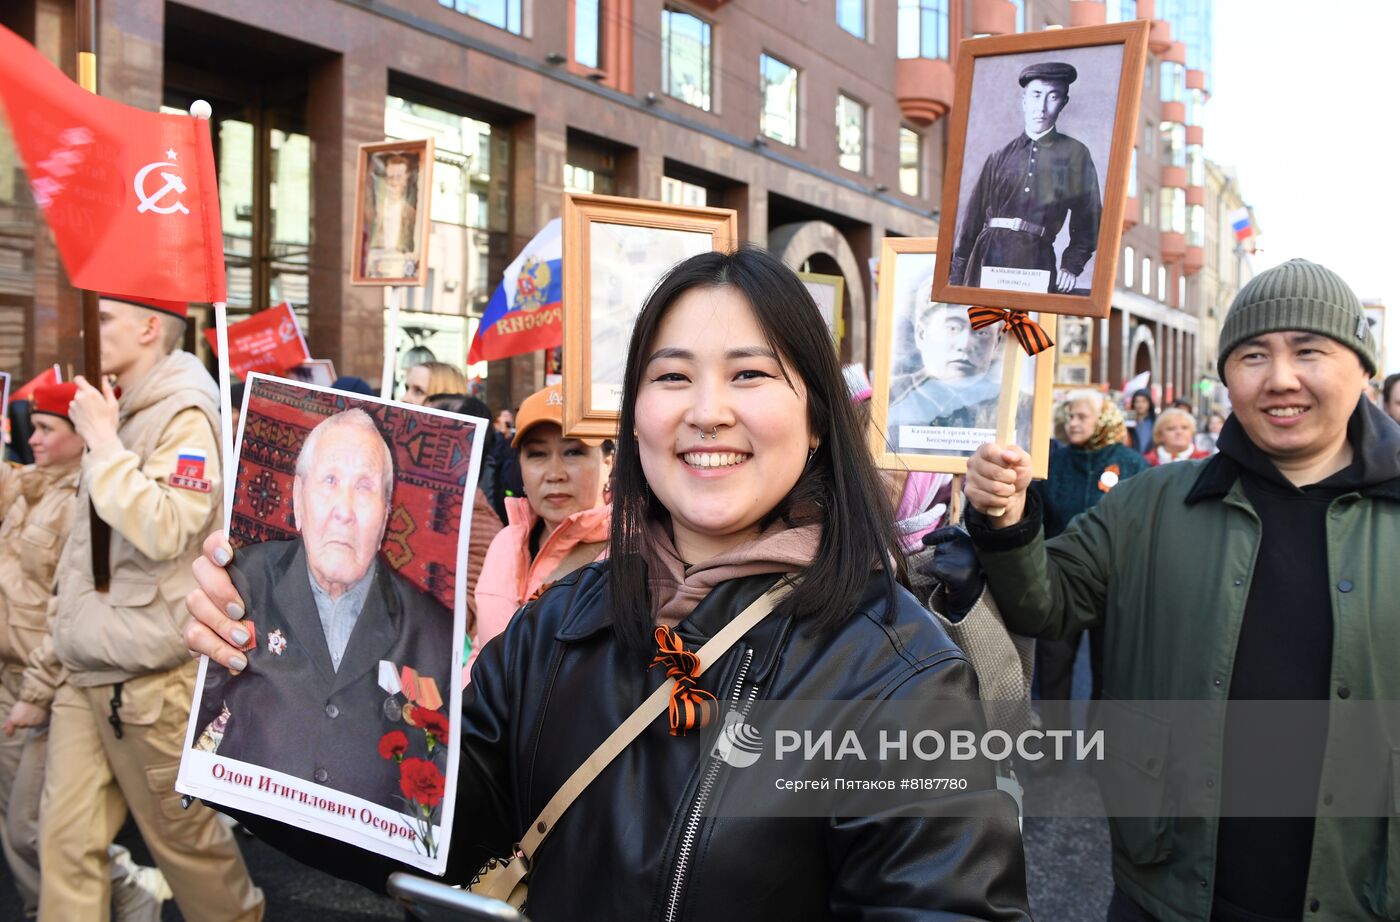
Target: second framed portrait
1039	152
393	197
939	389
615	251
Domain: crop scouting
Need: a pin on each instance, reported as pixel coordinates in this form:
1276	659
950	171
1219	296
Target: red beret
174	308
54	399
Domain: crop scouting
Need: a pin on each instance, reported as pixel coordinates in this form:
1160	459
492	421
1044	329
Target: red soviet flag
269	341
130	195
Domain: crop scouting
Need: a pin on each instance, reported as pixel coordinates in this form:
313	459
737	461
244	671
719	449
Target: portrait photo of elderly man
1025	192
332	629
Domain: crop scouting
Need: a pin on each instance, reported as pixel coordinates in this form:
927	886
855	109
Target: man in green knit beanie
1265	574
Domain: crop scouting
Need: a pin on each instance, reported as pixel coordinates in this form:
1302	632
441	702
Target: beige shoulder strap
632	727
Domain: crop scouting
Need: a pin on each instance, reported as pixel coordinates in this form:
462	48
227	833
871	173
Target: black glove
955	566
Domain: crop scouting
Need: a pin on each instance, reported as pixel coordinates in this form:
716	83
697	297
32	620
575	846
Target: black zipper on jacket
702	795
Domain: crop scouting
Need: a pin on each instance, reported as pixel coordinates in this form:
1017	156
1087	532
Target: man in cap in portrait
339	649
1006	235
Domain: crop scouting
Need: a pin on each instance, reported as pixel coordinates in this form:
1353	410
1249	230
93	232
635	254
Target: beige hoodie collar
676	588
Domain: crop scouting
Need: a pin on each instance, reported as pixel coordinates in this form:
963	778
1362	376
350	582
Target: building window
1161	283
1120	10
923	29
1173	135
1195	107
588	32
779	117
503	14
850	134
1128	267
685	58
679	192
1146	276
850	15
1173	211
1132	175
1195	165
1181	291
1173	84
1020	14
909	161
263	157
1196	226
469	242
1148	195
589	165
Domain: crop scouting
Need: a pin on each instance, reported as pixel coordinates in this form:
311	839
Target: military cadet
36	505
117	724
1024	193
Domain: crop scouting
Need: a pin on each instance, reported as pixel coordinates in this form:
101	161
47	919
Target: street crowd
1206	557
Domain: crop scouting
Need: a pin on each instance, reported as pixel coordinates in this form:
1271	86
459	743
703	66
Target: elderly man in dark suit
1006	235
325	617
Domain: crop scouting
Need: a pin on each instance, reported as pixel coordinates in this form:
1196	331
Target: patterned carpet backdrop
432	460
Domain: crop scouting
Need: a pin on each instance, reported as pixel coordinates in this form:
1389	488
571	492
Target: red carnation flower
393	745
431	722
421	782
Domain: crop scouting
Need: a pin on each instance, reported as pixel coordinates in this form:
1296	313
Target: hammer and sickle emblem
173	183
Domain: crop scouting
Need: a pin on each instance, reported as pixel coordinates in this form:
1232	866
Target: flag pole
391	344
87	79
200	109
99	531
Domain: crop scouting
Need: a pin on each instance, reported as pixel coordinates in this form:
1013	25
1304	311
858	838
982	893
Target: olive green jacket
1165	564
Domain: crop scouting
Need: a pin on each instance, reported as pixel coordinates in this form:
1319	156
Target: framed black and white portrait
1040	145
940	387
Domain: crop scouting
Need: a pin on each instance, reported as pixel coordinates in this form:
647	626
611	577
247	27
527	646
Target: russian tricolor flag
526	313
1240	222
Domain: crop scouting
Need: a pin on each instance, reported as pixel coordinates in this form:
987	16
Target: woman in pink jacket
561	525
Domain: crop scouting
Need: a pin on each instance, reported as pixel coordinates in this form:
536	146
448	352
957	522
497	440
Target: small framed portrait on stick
350	549
1375	319
1073	336
393	198
829	291
941	388
1040	145
615	251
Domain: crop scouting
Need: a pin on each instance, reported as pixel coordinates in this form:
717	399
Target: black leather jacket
637	844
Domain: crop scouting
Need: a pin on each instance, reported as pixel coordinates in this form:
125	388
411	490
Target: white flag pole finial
201	109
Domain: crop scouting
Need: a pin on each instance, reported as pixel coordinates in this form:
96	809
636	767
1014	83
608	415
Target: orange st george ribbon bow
1028	333
690	708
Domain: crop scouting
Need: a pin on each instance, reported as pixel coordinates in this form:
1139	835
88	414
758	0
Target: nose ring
714	434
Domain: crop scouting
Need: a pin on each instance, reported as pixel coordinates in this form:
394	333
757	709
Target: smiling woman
740	469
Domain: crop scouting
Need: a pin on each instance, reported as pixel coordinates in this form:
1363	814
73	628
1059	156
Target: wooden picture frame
374	260
617	249
971	388
818	285
1021	250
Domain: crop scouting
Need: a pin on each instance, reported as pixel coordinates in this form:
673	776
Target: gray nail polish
237	664
235	611
240	636
222	556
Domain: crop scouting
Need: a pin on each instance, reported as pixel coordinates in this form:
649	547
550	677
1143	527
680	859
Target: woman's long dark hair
840	486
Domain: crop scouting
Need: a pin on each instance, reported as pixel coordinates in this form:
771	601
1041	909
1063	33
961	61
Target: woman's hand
216	608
